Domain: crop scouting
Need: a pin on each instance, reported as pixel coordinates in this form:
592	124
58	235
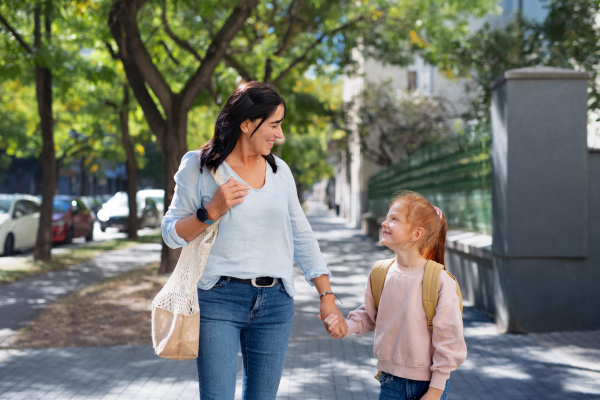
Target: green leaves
394	124
567	38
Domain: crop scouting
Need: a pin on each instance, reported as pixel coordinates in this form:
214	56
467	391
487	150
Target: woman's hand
328	307
227	195
335	324
433	394
331	322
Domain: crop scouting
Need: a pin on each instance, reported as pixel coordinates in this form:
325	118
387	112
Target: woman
246	291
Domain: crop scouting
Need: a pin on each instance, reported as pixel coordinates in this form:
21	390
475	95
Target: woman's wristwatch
202	215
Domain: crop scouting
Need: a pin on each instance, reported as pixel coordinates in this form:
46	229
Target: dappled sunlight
505	371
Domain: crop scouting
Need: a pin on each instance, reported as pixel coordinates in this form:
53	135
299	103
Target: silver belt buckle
253	280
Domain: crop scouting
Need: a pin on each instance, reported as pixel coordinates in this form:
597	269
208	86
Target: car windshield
118	200
61	206
4	206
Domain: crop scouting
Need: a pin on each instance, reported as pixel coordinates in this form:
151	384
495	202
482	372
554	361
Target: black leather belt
261	281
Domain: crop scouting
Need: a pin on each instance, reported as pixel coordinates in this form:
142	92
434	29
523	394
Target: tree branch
232	62
180	42
293	10
113	105
213	92
12	30
201	78
113	54
169	53
136	80
135	52
315	44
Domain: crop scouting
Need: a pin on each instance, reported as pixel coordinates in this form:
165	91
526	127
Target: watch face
201	214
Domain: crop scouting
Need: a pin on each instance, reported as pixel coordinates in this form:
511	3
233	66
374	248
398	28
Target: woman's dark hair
250	100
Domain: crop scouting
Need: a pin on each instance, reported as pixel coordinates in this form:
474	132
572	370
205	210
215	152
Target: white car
19	221
158	195
115	212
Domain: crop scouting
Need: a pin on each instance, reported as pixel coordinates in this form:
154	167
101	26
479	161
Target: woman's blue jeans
395	388
259	320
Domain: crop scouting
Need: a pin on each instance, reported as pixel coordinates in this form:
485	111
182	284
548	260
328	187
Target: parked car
115	212
95	203
19	221
71	218
158	195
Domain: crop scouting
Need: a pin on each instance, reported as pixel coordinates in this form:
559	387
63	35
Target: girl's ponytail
436	251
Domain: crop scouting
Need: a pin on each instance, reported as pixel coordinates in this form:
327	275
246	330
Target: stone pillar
539	192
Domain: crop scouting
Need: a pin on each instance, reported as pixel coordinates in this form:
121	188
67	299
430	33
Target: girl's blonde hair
421	213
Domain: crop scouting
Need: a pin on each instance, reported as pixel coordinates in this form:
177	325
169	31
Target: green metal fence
455	176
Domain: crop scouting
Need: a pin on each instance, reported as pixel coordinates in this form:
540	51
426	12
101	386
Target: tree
392	125
180	53
567	38
107	105
38	15
571	39
311	103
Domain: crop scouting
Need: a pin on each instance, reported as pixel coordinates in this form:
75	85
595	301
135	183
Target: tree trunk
172	152
83	177
130	165
43	83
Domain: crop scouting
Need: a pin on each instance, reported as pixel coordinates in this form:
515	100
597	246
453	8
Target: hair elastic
438	211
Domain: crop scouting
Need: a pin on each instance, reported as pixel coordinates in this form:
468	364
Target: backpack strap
457	291
431	281
378	274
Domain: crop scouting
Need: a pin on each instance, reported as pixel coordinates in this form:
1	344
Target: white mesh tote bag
175	309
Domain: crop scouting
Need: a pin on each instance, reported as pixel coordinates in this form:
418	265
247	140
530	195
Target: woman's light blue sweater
259	237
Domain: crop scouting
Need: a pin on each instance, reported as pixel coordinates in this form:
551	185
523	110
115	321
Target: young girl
414	363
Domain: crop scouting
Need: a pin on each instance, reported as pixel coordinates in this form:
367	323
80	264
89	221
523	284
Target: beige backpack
431	280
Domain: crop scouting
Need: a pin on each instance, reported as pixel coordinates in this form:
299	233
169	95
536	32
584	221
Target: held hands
227	195
335	324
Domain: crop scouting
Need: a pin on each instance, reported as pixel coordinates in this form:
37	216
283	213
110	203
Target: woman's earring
411	239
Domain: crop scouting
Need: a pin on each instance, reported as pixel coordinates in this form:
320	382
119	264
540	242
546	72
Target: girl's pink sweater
403	345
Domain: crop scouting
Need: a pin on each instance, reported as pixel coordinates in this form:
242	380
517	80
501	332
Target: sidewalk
499	366
22	301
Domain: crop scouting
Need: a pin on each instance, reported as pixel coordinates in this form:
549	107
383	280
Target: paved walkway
22	301
499	366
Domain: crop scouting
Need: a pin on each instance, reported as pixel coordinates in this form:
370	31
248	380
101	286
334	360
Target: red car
71	219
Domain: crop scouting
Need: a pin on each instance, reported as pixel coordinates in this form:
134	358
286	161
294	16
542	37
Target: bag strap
378	274
217	176
205	238
219	179
431	281
457	292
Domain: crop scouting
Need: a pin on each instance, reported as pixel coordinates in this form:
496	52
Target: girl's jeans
234	314
395	388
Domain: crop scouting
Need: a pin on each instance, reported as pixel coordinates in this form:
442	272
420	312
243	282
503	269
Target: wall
542	270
